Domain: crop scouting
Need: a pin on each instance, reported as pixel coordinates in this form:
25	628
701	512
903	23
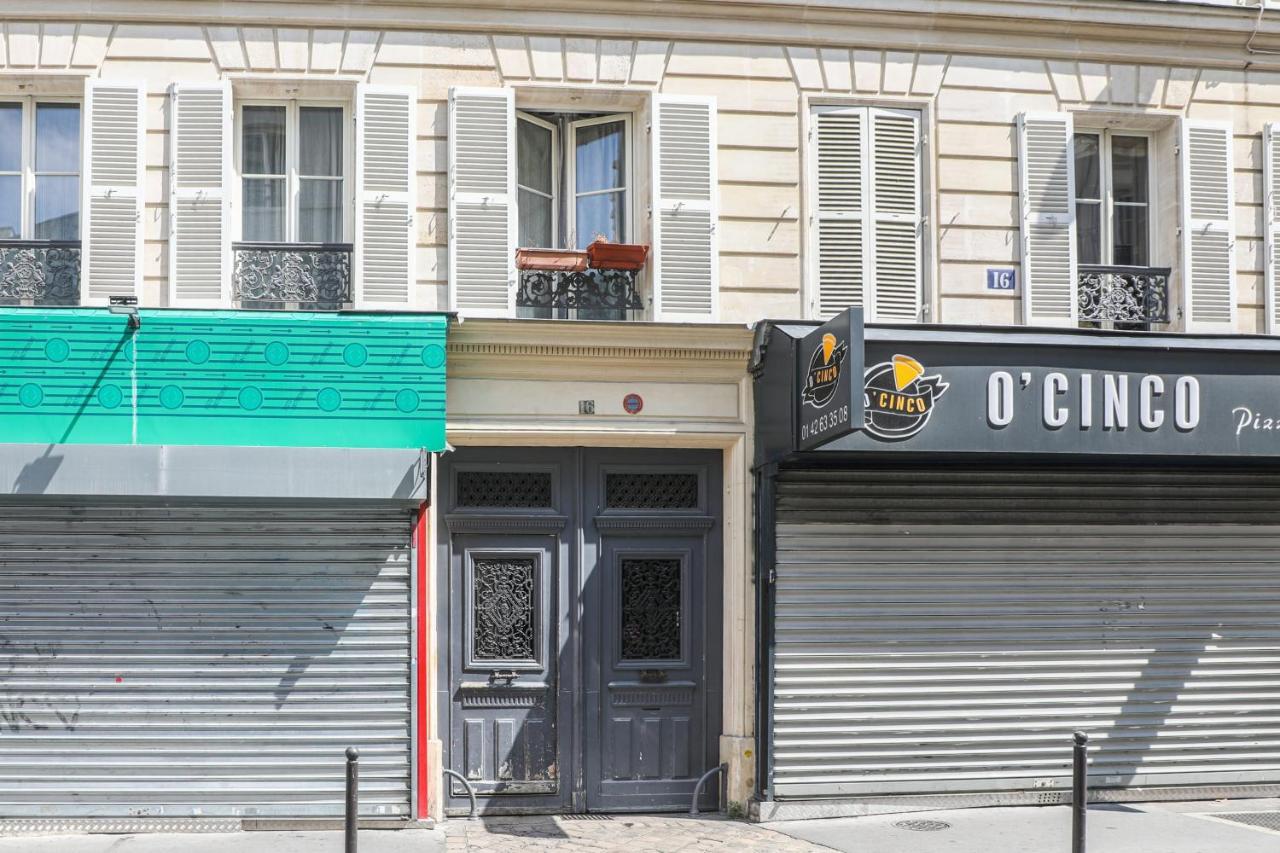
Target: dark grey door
651	599
583	639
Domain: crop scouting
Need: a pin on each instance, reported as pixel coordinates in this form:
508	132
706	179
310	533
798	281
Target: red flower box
617	256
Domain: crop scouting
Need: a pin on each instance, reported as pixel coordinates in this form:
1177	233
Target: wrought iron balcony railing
603	294
39	272
311	276
1131	296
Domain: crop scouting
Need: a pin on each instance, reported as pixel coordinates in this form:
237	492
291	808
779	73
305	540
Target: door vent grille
504	489
651	491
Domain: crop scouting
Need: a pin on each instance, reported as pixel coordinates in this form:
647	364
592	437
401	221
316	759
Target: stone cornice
1144	29
719	348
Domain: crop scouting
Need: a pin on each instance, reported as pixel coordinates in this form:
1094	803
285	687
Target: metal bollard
1079	790
353	798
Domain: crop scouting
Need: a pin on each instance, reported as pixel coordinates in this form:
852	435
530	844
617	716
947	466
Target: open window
582	204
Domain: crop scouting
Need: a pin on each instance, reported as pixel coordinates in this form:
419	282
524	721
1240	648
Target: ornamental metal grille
1129	295
39	272
594	289
504	489
502	601
651	491
650	609
292	275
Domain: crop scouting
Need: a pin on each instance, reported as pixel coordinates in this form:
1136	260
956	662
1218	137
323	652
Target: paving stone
630	833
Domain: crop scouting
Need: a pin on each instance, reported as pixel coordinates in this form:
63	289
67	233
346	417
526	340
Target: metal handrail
471	794
697	789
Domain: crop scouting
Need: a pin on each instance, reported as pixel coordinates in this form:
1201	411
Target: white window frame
293	181
27	166
554	129
565	151
1107	200
571	160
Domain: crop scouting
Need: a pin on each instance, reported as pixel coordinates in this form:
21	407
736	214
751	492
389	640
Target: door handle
507	675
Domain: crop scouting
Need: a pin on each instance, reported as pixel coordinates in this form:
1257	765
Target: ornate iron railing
1125	295
602	293
40	272
312	276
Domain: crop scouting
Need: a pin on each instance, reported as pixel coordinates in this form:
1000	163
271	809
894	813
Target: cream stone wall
763	93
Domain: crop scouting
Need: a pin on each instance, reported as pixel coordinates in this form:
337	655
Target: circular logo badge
899	398
632	404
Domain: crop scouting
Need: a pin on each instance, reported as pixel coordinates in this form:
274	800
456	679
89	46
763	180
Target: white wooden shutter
1208	241
385	183
1046	170
686	253
838	235
1271	223
199	196
113	189
897	223
482	196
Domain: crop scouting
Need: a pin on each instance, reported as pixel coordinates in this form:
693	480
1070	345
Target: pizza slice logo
899	398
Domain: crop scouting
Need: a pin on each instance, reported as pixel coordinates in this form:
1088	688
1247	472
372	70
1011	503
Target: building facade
589	637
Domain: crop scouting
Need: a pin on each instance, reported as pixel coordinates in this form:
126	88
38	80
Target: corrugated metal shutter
203	660
944	630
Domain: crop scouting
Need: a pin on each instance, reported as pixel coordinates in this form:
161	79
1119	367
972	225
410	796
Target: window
866	230
39	170
1113	201
293	173
569	195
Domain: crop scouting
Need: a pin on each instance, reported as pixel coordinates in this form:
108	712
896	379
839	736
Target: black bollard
353	798
1079	790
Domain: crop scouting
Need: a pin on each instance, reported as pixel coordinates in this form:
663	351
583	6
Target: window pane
264	209
320	141
57	207
535	220
1129	168
599	215
1088	166
58	137
10	137
320	211
10	206
533	153
262	141
1130	247
599	160
1089	233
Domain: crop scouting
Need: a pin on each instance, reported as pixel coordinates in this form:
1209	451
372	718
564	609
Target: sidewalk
1197	827
1191	827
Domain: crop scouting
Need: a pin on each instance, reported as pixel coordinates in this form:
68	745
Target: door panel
504	681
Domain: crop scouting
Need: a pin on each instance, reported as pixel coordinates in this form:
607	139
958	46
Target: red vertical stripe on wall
424	626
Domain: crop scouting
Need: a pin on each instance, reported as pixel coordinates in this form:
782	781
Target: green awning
228	378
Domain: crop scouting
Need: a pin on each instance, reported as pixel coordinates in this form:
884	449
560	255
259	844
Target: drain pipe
471	794
697	789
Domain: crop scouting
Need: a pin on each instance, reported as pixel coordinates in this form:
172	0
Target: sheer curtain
320	174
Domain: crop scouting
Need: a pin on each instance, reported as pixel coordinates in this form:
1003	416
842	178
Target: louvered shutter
1046	170
114	189
895	206
1271	193
1208	243
482	210
199	195
686	255
837	233
385	183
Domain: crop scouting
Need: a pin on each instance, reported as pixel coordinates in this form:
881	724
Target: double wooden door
583	649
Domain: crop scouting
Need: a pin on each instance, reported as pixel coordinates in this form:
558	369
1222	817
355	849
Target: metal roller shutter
203	660
945	630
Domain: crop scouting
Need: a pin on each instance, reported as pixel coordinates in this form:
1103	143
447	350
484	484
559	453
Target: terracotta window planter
551	260
617	256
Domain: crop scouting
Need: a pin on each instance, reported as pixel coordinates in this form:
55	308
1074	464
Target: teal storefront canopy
223	378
